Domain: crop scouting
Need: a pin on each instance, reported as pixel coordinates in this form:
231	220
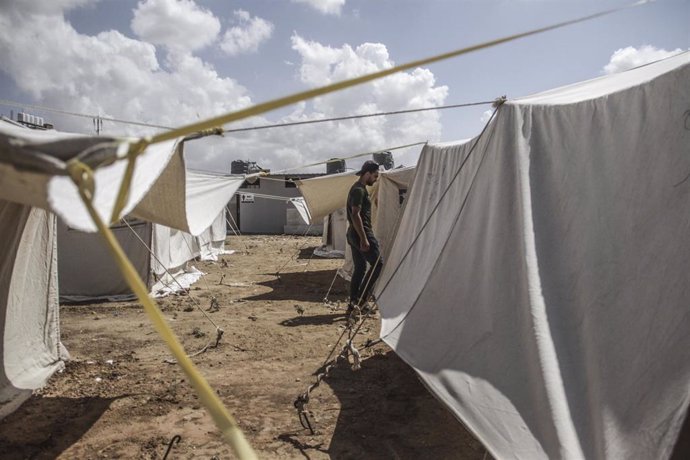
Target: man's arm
359	228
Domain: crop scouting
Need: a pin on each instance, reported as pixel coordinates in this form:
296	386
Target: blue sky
172	62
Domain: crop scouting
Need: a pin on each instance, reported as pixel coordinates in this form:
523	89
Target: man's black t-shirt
359	196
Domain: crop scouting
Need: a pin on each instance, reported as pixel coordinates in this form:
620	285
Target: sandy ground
118	398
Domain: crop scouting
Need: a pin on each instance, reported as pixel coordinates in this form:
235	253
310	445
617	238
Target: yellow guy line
298	97
83	178
216	122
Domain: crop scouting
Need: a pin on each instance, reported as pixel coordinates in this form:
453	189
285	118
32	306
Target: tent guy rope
440	200
174	278
83	178
215	123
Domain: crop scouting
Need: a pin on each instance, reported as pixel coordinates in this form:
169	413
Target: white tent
182	198
96	278
33	173
539	282
30	345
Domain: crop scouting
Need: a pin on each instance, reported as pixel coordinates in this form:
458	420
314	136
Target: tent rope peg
215	306
303	399
370	343
302	412
219	335
356	357
175	440
499	101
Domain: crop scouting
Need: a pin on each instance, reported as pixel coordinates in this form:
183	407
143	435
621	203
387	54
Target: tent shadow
307	253
300	286
44	427
386	412
313	320
682	448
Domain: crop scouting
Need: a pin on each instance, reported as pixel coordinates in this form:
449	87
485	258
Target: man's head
369	172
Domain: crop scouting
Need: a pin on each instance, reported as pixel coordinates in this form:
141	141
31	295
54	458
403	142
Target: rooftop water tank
335	165
239	167
384	159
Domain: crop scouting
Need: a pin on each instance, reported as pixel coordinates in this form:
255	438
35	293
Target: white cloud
45	7
110	74
176	24
333	7
627	58
122	77
319	64
247	35
486	116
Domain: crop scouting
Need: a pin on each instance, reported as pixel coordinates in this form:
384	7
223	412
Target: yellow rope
309	94
213	125
123	192
83	178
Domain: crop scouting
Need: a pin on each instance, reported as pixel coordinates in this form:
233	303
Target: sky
175	62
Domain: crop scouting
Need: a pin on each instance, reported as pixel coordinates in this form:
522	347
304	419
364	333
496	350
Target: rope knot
499	101
82	176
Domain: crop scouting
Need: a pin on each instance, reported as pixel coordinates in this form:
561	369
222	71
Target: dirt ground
118	398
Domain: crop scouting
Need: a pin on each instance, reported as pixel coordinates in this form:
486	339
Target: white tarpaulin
187	200
19	145
541	289
326	194
212	240
30	348
301	208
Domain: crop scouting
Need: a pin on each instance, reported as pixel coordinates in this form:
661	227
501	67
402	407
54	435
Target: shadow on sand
44	427
387	413
301	286
314	320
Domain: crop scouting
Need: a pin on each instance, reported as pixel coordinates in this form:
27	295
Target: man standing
360	236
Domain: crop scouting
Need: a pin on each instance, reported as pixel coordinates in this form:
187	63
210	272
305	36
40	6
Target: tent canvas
30	344
97	278
33	172
549	308
334	238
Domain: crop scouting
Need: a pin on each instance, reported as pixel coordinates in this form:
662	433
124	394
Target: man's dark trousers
361	285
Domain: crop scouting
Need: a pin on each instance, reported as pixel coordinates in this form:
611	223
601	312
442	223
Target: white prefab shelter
539	282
